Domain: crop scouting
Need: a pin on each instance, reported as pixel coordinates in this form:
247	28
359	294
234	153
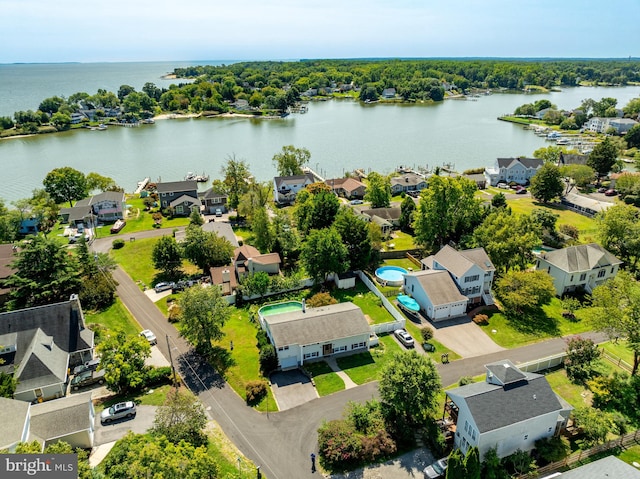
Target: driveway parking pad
291	389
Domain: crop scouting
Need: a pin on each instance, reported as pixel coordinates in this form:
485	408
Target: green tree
287	239
581	359
316	208
262	229
354	232
550	154
237	179
136	456
524	291
407	207
619	233
256	283
545	219
7	384
45	273
378	190
499	200
9	223
65	184
455	466
616	311
51	105
546	184
472	463
323	252
632	137
290	160
447	210
96	181
603	157
508	239
492	467
61	121
409	386
123	359
195	218
166	255
203	312
595	424
206	249
581	175
181	418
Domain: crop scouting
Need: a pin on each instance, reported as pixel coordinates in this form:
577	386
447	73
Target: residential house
510	410
584	205
479	179
70	419
181	196
347	187
213	200
29	226
312	333
436	293
225	277
581	267
407	182
7	256
607	467
286	188
389	93
392	215
248	260
572	159
601	125
108	207
516	170
40	344
470	269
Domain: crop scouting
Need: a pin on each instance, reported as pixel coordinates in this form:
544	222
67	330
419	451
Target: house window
466	426
470	279
473	434
526	436
341	348
583	276
550	429
164	194
612	269
412	288
601	273
571	278
357	345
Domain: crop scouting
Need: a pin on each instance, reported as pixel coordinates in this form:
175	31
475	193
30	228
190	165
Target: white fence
542	364
400	320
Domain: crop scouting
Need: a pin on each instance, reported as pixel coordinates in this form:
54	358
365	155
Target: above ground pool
408	302
390	275
279	308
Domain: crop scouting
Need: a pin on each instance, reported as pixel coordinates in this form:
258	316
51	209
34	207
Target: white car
149	336
356	202
404	337
437	469
118	411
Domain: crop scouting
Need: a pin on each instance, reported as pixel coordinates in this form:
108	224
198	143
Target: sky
158	30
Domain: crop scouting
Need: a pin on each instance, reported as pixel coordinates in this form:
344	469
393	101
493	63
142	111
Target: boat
148	121
102	127
408	303
562	141
199	178
553	136
117	226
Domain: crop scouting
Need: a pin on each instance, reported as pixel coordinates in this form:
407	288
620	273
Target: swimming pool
279	308
391	275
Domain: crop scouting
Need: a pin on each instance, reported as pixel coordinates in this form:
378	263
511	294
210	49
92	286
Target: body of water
340	134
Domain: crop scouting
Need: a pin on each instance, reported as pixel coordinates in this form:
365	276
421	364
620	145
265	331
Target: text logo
45	466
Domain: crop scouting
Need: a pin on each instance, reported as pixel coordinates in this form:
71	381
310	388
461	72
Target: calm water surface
341	135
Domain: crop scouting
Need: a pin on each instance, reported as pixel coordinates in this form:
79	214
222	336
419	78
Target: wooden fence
617	361
580	455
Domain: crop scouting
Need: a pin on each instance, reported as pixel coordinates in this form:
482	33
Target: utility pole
173	368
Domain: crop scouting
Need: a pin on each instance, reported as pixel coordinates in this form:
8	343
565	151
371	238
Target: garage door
290	362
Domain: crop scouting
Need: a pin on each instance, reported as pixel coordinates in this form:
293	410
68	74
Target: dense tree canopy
378	190
237	178
324	252
523	291
123	359
603	157
206	249
181	418
66	184
546	184
166	255
354	232
290	160
619	233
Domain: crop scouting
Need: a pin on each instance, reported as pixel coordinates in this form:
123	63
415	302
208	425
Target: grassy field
400	241
365	300
116	317
619	349
365	367
150	397
402	263
526	329
327	382
574	394
630	455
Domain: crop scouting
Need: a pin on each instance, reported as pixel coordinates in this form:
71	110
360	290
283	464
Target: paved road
280	443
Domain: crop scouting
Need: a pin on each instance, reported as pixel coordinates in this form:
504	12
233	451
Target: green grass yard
365	300
115	317
365	367
326	381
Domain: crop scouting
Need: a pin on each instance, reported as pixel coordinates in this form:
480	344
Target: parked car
504	186
118	411
404	337
602	189
149	336
182	285
521	191
91	365
356	202
610	193
218	212
87	378
437	469
164	286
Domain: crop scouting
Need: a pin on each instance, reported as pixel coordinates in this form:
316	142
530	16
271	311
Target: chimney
226	277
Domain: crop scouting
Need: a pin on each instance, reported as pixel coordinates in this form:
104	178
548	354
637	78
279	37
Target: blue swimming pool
391	275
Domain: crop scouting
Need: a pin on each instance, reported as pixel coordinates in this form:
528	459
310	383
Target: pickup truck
87	378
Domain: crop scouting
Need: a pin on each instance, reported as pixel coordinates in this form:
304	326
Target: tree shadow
532	321
220	358
198	374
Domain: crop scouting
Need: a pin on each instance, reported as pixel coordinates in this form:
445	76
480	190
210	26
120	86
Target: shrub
268	359
630	199
117	244
481	319
378	446
569	230
552	449
174	312
427	333
255	391
464	380
263	339
338	446
321	299
157	376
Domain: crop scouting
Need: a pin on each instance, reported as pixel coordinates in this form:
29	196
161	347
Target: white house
286	188
578	267
601	125
436	293
517	170
510	410
407	182
311	333
470	269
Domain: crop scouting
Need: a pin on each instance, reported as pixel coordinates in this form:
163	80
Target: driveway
464	337
291	389
141	423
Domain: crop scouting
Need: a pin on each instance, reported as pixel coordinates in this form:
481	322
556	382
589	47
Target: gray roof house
392	215
578	267
510	410
182	196
108	206
70	419
436	293
516	170
407	182
41	344
312	333
286	188
605	468
213	200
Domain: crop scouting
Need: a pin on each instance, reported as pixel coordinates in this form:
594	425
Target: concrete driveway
140	424
464	337
291	389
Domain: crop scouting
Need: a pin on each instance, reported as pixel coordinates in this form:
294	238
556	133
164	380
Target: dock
142	185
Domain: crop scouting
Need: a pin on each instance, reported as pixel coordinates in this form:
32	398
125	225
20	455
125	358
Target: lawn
150	397
401	241
365	367
619	349
526	329
574	394
402	263
586	226
116	317
242	364
326	381
365	300
630	455
414	330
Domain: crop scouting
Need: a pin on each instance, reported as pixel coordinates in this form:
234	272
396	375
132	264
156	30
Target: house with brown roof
578	267
248	260
40	344
513	170
225	277
350	188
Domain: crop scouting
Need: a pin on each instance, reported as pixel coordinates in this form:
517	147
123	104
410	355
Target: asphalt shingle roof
61	417
439	286
580	258
459	262
221	229
317	325
609	467
14	417
177	186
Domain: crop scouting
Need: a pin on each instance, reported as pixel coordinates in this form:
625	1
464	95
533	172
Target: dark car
87	378
521	191
602	189
610	193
